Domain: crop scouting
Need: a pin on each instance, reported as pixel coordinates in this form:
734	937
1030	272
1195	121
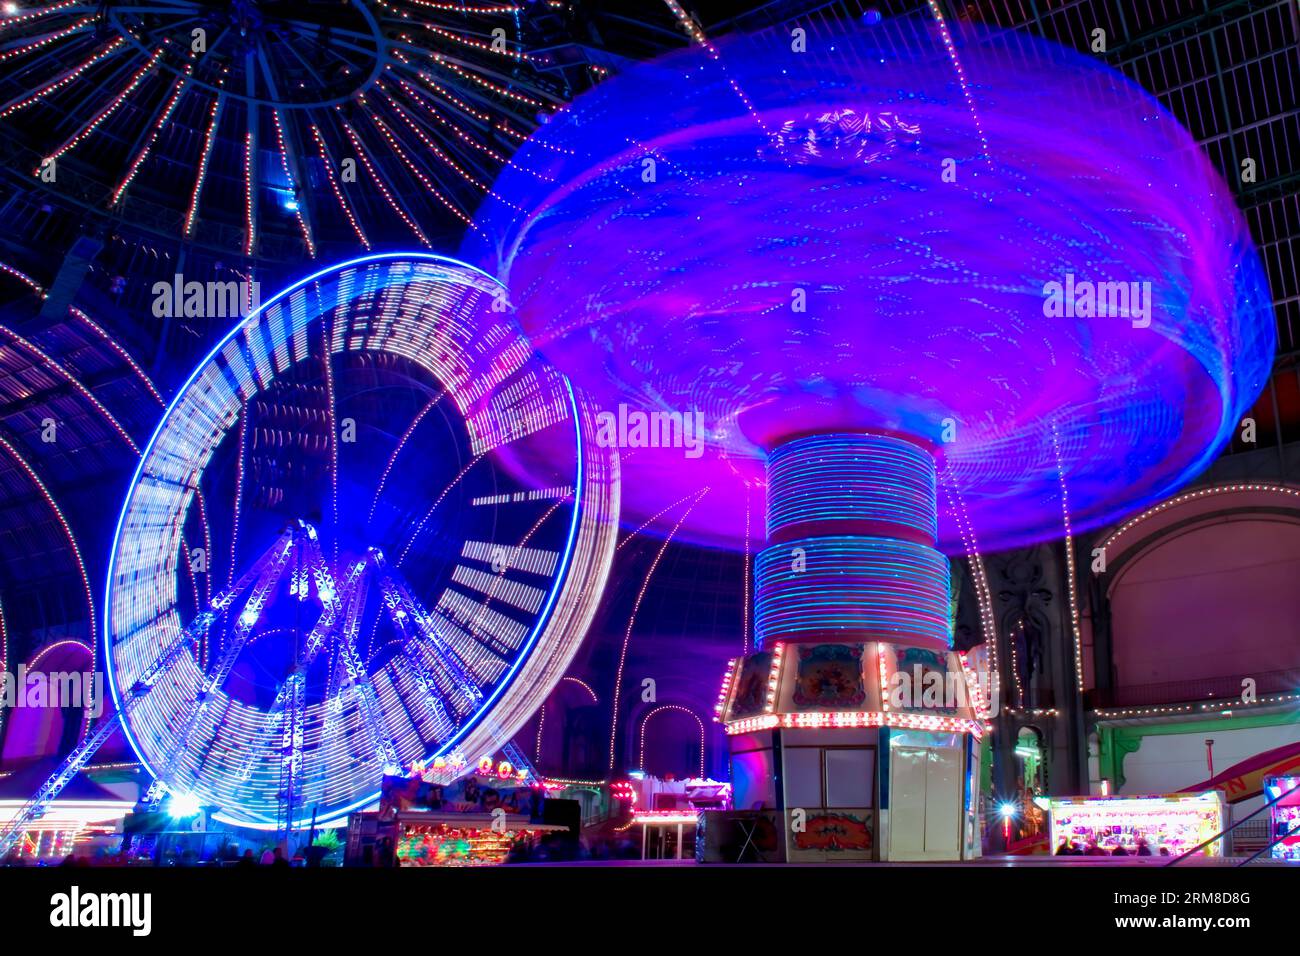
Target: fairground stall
1161	825
667	812
478	820
1284	816
70	828
852	751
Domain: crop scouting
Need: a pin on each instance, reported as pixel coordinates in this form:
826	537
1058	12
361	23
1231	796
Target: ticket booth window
830	777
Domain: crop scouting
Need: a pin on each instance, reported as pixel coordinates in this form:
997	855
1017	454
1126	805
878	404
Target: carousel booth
851	751
854	726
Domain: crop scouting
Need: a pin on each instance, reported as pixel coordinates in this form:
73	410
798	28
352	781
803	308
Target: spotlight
1008	812
183	805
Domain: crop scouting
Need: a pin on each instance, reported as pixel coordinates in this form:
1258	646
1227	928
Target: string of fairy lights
60	369
1071	593
397	450
541	712
983	594
677	708
72	380
591	692
16	456
1199	494
177	89
1013	642
93	124
333	180
63	80
4	656
209	140
427	99
24	278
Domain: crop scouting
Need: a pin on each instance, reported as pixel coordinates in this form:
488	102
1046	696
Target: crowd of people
1090	847
227	855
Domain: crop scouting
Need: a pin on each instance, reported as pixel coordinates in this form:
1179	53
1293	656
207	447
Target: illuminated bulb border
774	677
1236	488
870	718
974	690
653	817
724	693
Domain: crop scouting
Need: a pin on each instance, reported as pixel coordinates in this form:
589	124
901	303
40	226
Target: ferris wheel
370	530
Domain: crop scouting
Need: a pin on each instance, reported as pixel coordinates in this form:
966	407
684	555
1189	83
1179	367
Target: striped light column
851	527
